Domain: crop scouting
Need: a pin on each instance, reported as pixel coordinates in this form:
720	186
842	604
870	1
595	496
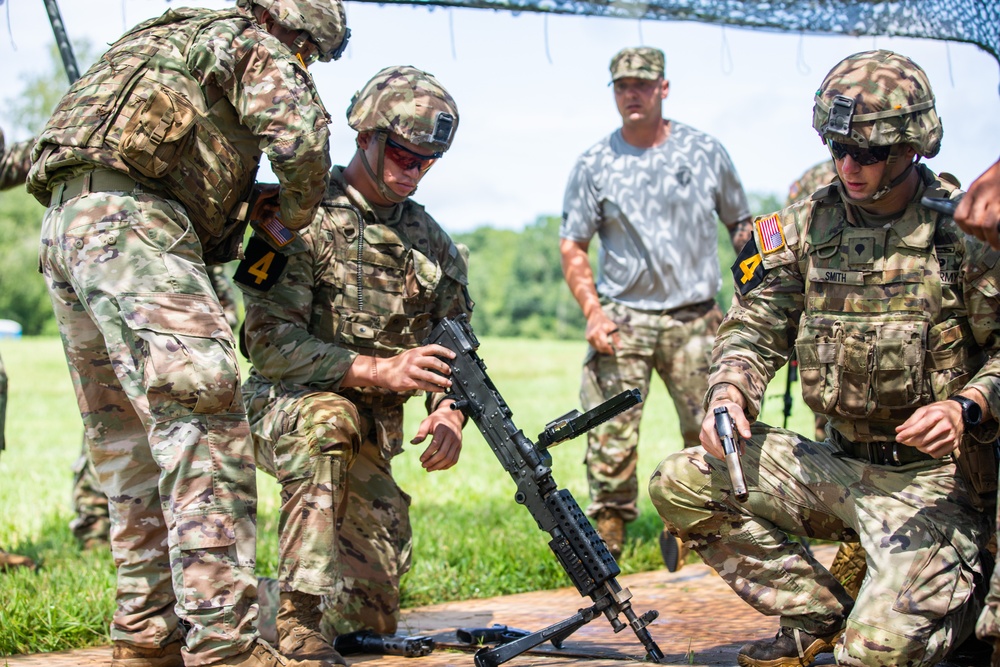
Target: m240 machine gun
578	547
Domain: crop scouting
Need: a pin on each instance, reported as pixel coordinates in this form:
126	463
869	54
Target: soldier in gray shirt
650	191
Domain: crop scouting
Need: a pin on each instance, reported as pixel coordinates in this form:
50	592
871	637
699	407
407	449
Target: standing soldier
14	165
333	328
893	313
142	165
650	191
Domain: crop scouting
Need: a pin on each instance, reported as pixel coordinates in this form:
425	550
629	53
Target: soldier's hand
602	333
978	213
444	425
267	205
420	368
710	438
934	429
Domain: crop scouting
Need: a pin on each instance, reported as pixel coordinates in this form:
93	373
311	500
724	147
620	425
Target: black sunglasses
863	156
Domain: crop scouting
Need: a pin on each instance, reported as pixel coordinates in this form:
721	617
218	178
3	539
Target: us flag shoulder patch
772	238
277	232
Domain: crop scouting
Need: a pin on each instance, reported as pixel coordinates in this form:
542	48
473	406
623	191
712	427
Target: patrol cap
640	62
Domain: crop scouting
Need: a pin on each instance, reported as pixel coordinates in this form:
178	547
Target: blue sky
532	92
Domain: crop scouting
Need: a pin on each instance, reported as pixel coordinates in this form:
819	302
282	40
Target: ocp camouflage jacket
883	319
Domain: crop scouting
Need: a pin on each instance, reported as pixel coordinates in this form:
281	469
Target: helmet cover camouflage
878	98
324	20
640	62
407	102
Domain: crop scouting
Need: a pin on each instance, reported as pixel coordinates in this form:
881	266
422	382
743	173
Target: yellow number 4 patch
749	265
749	269
261	267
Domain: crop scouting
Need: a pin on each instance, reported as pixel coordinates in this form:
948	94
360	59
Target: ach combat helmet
409	103
325	21
878	98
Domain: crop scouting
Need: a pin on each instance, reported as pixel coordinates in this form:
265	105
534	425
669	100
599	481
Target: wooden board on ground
702	623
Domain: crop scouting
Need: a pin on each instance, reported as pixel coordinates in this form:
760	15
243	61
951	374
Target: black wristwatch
972	414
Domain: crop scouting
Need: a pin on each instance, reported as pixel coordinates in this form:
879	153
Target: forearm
287	352
14	164
302	166
579	276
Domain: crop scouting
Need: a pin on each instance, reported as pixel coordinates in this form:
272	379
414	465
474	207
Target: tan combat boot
611	527
791	647
10	561
124	654
299	637
261	654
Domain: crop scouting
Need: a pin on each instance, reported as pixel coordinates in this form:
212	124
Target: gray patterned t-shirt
654	212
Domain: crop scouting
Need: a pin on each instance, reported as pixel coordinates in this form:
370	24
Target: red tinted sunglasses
408	159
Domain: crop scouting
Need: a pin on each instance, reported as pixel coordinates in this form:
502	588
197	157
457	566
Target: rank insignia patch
749	271
772	239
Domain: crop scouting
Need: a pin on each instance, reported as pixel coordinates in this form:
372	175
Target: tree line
515	276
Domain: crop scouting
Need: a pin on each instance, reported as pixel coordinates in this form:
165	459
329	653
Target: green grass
470	538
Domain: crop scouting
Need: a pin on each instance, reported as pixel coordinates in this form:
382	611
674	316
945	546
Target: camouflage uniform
329	447
360	280
14	165
812	180
141	164
885	318
91	525
654	211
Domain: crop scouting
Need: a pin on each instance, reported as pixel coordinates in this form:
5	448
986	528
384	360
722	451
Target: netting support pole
62	41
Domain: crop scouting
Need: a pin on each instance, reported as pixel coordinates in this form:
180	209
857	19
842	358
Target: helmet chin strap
377	175
885	185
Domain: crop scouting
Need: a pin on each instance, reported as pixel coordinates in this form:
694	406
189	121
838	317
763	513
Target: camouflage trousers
344	526
988	626
922	537
91	524
153	365
678	345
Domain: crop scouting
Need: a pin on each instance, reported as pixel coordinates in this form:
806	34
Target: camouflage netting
973	21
